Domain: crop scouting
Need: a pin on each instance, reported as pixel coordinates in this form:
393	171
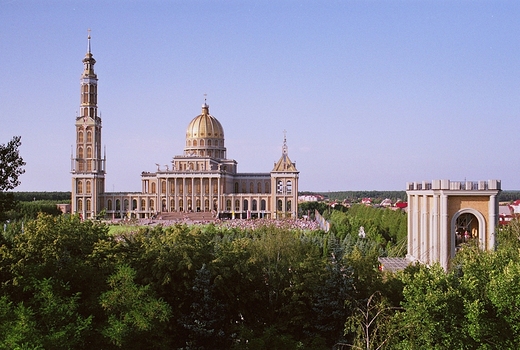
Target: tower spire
284	147
88	41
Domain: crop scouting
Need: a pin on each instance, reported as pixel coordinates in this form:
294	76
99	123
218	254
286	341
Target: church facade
201	180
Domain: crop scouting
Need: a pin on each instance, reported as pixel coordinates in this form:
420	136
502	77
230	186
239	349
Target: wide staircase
191	216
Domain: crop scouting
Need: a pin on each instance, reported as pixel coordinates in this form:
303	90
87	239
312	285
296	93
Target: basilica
202	182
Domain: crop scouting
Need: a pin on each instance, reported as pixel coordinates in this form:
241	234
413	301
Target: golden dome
205	126
205	136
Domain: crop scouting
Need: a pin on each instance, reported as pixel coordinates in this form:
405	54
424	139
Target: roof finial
88	39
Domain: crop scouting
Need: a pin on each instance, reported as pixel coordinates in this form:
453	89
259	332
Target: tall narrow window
80	187
89	189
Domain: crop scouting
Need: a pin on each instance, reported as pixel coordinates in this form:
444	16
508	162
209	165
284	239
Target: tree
11	164
136	318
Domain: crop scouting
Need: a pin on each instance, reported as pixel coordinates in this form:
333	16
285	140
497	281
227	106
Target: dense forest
378	196
70	284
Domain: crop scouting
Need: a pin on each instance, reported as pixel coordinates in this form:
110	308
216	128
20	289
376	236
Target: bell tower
88	166
284	185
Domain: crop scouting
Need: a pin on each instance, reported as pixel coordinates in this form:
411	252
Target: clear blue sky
372	93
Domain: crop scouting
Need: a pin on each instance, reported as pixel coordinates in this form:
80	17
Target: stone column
444	232
488	242
434	234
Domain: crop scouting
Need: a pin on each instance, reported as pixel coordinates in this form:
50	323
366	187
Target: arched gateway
443	215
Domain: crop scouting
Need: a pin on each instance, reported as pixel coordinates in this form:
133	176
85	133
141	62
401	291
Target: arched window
201	143
288	207
89	165
152	206
109	204
206	205
89	188
163	187
89	208
80	136
228	205
194	143
80	152
134	204
181	205
237	205
236	187
251	190
125	205
143	204
89	136
279	186
259	188
89	152
209	143
80	187
267	187
289	187
154	187
80	204
246	205
254	206
118	204
262	204
279	207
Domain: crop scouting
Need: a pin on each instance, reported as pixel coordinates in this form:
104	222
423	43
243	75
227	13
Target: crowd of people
245	224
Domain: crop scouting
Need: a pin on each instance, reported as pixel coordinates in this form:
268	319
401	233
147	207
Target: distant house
366	201
310	198
506	213
386	203
516	206
401	205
